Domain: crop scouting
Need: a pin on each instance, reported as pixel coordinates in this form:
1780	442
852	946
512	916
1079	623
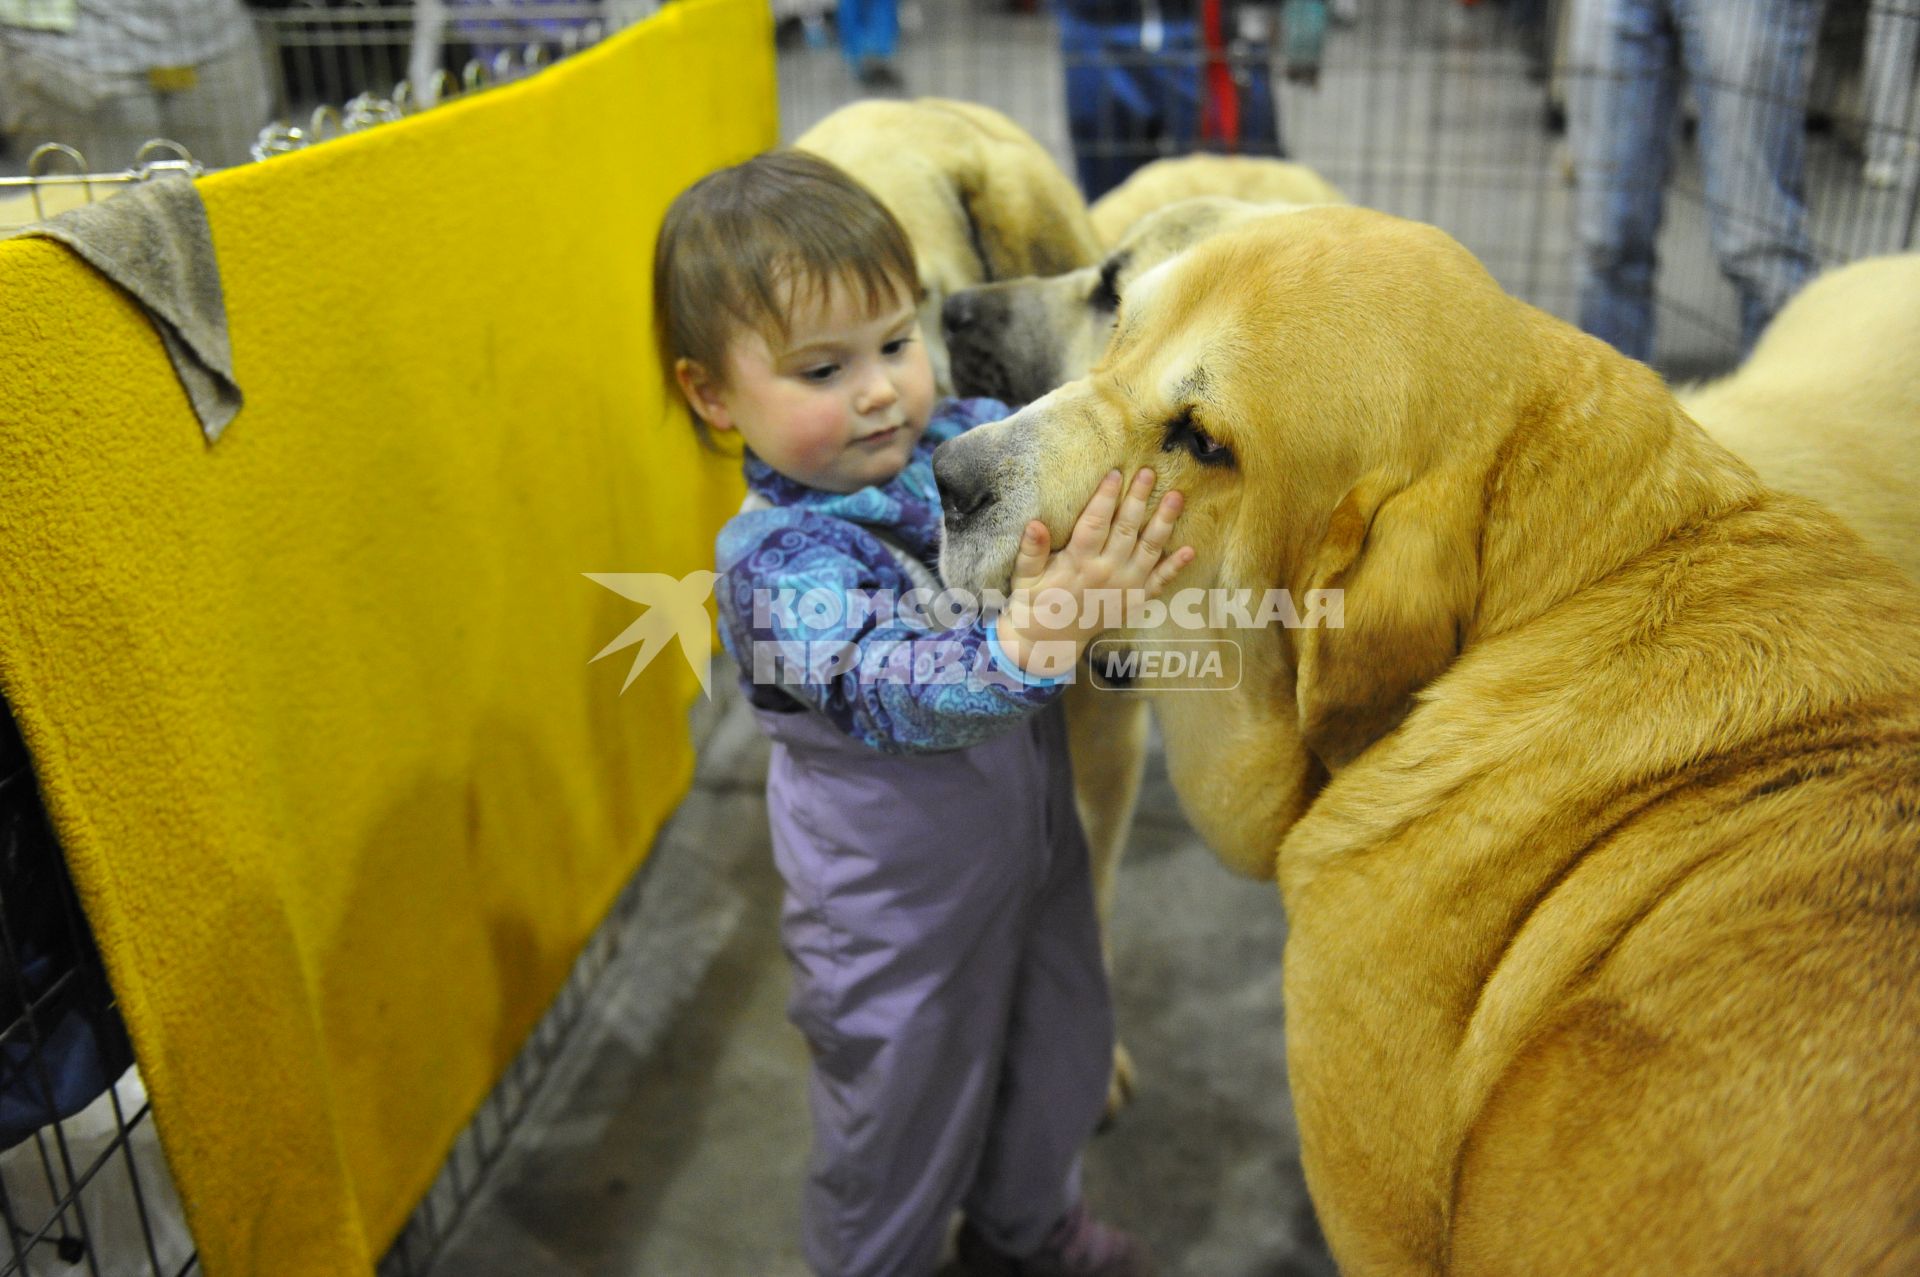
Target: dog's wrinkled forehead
1177	342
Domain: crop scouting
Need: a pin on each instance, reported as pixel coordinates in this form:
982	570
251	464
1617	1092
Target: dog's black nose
966	488
960	311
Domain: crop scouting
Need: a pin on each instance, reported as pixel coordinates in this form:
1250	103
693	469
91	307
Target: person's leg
1260	129
853	18
903	923
1750	65
1620	119
219	117
1893	36
883	29
53	97
1059	1048
1178	88
1110	117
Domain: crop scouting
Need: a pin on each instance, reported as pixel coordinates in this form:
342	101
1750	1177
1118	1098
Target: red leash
1221	119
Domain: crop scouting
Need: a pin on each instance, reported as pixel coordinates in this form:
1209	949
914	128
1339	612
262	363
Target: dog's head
1348	402
1017	339
978	198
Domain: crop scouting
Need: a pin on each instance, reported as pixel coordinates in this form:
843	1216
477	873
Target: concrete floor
670	1139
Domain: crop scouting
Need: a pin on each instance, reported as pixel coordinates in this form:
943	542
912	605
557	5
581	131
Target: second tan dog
1828	404
1020	338
979	198
1597	819
1252	178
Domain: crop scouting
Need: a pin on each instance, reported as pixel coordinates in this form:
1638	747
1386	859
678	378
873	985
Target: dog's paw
1119	1086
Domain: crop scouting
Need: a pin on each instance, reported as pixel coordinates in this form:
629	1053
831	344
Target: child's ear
703	393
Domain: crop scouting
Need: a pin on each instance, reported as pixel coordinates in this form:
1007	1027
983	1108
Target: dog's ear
1404	560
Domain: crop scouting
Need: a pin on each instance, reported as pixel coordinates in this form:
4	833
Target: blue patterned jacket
852	663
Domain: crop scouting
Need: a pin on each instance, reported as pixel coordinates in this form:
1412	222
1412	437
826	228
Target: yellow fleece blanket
313	708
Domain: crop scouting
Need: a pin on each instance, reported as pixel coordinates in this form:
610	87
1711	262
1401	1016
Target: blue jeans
1749	64
869	29
1128	105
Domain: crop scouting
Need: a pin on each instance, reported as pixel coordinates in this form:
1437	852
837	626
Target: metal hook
367	110
502	66
403	99
533	57
473	76
145	167
325	122
278	138
35	168
442	87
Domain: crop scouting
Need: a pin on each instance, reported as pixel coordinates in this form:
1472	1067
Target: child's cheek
821	435
920	392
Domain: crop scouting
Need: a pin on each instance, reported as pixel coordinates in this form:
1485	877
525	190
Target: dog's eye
1205	447
1106	293
1185	434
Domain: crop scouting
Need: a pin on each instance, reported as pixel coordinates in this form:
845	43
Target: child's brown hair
740	247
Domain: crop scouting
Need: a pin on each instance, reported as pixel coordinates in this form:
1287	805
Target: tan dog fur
1254	179
1596	823
978	197
1017	339
1828	404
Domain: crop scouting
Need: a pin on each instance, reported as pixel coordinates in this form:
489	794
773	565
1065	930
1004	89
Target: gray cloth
154	243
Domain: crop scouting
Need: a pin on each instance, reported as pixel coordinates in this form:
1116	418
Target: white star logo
675	609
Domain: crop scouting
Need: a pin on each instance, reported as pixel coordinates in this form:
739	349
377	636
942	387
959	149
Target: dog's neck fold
1549	486
1600	466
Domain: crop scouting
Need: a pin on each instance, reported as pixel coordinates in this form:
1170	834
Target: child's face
839	405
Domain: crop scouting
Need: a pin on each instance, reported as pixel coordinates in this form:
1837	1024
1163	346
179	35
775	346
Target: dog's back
1719	1068
1828	404
1254	178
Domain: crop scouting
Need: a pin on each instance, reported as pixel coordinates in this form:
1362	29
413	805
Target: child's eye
897	346
819	373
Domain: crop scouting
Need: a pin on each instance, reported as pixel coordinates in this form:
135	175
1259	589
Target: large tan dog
1828	404
1252	178
978	197
1017	339
1597	822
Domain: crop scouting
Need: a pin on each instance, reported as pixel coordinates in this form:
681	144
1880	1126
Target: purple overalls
948	979
939	916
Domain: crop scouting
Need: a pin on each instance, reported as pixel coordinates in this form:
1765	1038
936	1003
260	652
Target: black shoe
879	73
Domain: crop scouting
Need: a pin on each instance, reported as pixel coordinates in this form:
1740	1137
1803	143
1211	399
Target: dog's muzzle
965	480
974	323
961	311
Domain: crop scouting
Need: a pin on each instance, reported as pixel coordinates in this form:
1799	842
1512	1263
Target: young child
938	915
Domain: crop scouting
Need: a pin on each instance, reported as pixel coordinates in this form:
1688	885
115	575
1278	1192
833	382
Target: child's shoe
1078	1246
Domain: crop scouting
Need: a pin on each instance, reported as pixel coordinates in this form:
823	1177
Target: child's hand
1051	617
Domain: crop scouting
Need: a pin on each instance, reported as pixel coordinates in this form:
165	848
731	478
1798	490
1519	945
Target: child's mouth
881	436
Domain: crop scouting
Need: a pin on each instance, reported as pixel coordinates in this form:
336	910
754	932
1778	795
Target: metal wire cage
322	52
83	1187
1448	112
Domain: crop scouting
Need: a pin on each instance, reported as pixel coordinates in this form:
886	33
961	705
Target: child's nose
878	392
